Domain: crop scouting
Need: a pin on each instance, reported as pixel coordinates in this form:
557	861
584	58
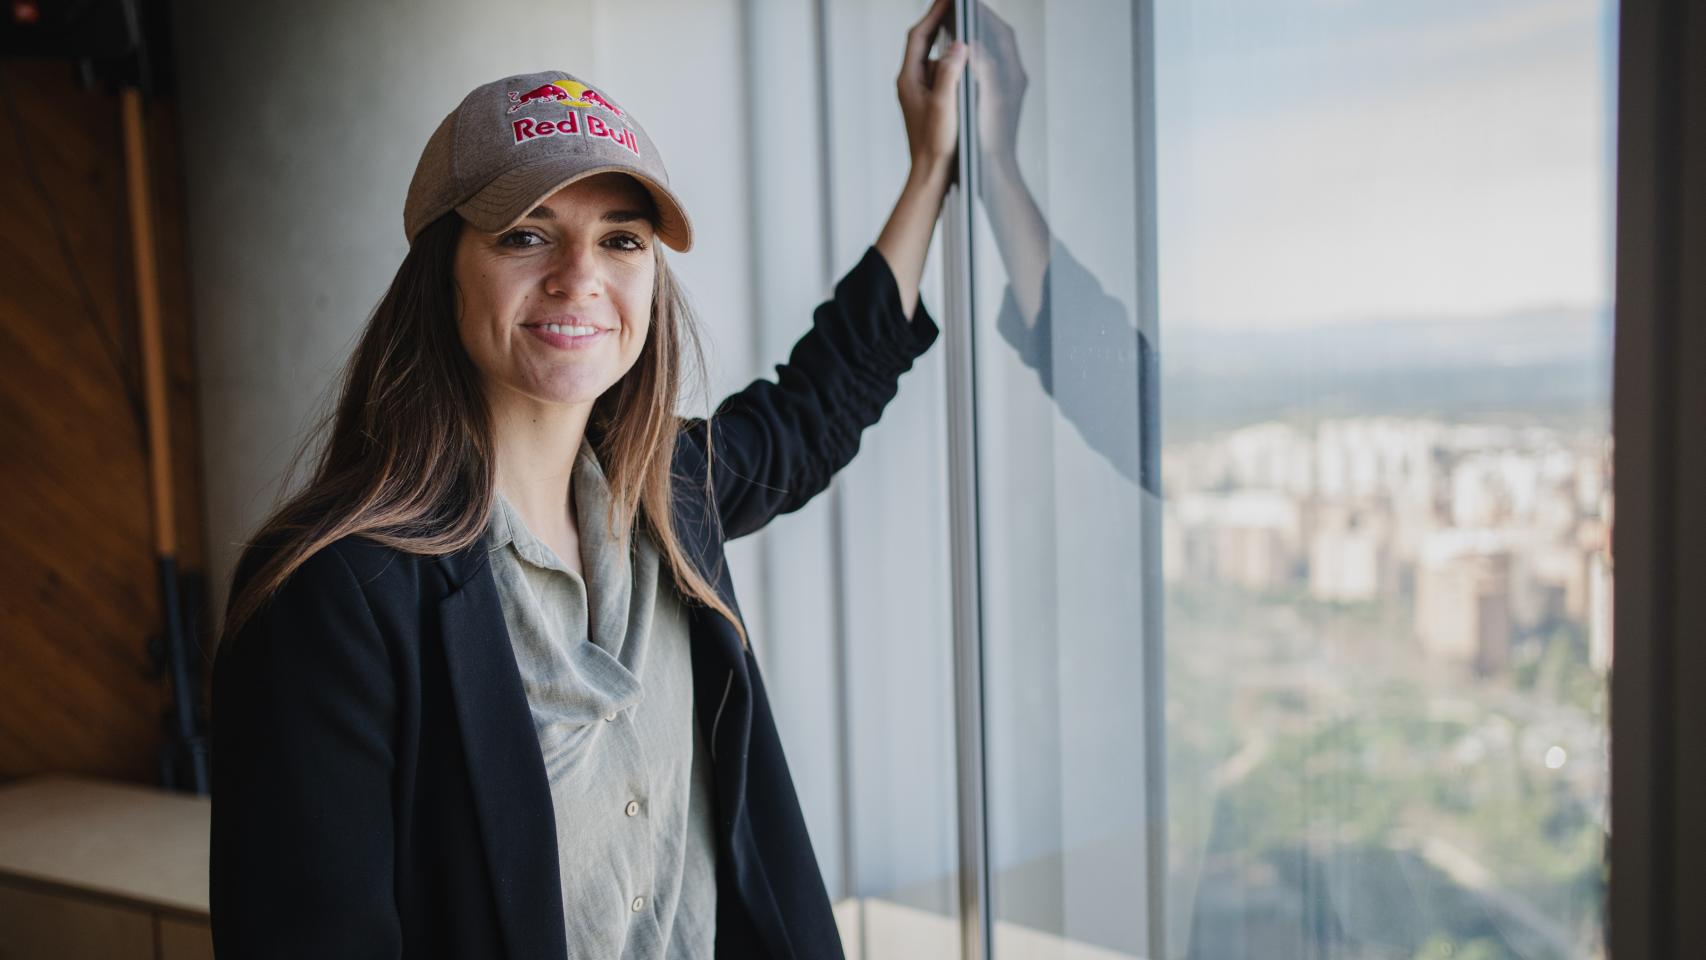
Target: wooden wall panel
78	599
184	939
43	925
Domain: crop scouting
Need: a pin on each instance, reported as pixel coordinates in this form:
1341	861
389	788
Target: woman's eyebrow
610	216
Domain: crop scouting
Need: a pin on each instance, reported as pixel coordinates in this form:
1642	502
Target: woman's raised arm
928	91
778	443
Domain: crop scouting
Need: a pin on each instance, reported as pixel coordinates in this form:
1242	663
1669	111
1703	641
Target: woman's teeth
570	331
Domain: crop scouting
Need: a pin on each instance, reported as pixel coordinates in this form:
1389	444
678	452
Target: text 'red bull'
576	123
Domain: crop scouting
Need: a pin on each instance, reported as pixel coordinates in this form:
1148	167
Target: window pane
1068	514
1381	268
1386	301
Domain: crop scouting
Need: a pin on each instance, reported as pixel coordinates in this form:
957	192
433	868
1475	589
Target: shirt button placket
632	809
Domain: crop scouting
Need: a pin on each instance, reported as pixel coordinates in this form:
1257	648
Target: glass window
1385	243
1293	335
1067	477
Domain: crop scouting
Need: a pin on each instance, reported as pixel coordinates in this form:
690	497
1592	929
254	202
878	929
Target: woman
484	689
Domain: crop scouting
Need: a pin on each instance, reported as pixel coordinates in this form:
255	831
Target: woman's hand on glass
1001	83
928	90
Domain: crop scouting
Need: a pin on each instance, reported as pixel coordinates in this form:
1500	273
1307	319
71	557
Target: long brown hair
409	462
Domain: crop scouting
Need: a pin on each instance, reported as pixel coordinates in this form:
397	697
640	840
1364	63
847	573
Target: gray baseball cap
513	142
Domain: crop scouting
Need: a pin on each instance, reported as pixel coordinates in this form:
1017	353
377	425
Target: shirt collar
592	496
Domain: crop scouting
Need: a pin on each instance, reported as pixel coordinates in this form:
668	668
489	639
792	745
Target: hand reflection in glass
1097	365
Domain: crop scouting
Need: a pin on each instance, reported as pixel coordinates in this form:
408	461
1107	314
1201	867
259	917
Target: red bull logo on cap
562	91
575	123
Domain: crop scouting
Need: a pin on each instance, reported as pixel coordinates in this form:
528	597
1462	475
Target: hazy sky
1343	159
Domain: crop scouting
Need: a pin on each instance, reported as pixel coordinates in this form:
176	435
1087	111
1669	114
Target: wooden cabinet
92	868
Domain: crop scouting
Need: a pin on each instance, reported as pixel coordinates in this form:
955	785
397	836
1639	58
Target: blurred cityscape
1487	534
1388	639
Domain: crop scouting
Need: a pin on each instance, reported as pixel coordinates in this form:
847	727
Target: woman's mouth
567	336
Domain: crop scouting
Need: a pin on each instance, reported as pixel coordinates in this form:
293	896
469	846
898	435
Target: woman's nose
573	272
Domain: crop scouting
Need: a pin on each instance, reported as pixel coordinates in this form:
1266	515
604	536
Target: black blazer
378	787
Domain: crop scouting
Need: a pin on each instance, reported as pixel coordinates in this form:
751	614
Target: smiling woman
484	688
556	310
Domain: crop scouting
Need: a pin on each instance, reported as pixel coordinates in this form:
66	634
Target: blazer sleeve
777	443
304	703
1096	364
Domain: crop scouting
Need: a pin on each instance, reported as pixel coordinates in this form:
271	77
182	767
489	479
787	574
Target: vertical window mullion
976	921
1149	439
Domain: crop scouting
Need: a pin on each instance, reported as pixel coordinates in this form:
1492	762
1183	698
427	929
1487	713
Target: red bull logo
576	123
562	91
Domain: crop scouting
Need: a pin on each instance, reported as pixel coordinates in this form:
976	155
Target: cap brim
513	194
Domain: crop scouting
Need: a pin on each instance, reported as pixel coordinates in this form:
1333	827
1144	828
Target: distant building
1349	555
1251	538
1463	600
1564	568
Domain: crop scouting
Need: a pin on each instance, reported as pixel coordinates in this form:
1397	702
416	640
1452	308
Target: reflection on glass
1382	242
1068	477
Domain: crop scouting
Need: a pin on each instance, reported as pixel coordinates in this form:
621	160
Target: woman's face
583	261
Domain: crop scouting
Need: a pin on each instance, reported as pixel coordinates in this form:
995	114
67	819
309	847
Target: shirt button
633	807
638	903
609	717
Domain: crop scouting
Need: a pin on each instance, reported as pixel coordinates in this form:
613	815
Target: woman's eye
527	238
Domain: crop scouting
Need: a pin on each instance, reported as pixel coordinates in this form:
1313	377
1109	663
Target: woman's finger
918	44
932	17
948	69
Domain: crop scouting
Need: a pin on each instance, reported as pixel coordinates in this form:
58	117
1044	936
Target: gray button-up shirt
609	680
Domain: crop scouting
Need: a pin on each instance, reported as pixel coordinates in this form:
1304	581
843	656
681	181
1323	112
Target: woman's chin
571	391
